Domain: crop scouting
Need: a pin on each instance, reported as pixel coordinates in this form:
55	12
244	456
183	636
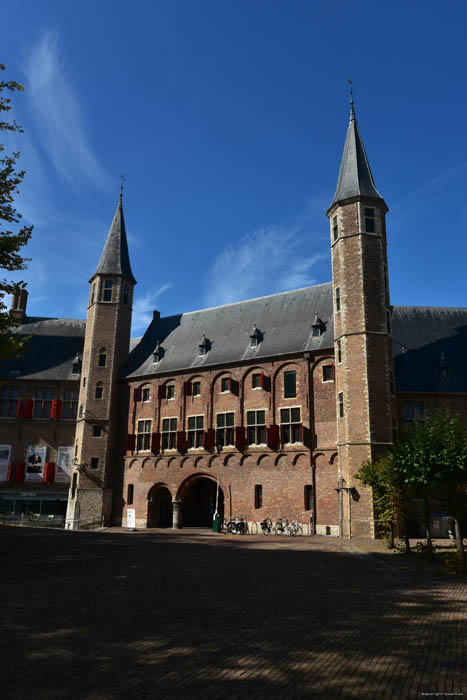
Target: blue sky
228	119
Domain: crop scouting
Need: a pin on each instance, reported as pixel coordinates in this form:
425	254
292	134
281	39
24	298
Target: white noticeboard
131	518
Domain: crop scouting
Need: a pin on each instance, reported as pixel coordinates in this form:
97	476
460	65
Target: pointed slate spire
355	178
115	259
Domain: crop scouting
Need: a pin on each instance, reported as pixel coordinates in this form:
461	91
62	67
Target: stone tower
98	443
365	401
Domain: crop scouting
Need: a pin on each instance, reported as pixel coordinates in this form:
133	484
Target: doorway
159	507
199	502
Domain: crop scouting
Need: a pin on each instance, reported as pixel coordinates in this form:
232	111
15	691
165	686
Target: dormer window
76	366
255	337
107	295
204	346
318	327
335	229
157	353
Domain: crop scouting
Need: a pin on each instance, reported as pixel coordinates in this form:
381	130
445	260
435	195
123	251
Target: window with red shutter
18	408
274	436
57	409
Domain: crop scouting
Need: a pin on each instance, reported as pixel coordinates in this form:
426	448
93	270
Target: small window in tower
129	498
335	229
369	219
338	299
339	351
93	289
171	391
96	431
94	462
290	384
125	294
341	404
102	361
99	391
107	295
328	373
258	496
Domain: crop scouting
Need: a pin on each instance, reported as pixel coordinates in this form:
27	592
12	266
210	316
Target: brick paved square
162	614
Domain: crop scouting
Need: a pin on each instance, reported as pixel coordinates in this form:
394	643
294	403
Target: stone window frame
143	437
290	371
197	432
198	383
290	423
43	403
255	426
170	392
70	403
170	434
224	428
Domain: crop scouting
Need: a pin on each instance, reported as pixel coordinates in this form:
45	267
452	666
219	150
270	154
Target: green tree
391	495
428	462
432	460
12	236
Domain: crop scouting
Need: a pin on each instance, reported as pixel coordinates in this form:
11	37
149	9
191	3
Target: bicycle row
281	526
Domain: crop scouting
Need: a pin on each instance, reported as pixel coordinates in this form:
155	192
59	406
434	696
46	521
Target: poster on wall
64	465
5	451
36	462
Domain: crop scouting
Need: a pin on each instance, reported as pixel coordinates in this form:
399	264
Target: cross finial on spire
352	112
122	176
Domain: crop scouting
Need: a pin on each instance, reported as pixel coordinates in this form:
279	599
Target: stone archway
159	507
197	497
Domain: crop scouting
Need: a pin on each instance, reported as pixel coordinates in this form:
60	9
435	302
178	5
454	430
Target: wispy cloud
144	306
264	262
56	109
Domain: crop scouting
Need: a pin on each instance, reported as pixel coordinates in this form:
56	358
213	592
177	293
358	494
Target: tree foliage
427	462
13	236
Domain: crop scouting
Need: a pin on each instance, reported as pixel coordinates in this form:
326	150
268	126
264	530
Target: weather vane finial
352	113
122	177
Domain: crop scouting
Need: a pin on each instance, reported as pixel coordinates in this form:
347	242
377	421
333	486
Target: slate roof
355	178
115	259
284	321
425	339
51	349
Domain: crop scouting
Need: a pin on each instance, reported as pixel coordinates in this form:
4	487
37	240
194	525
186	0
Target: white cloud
264	262
56	109
144	306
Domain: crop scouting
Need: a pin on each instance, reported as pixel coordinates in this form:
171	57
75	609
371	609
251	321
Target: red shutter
11	472
52	409
187	388
28	408
20	471
162	391
130	442
301	432
233	386
18	408
274	436
156	443
240	440
181	441
210	441
261	380
58	409
49	473
137	395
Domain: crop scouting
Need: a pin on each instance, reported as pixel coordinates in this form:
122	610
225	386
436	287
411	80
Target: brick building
268	405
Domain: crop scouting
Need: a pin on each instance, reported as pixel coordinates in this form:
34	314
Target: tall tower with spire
98	441
365	402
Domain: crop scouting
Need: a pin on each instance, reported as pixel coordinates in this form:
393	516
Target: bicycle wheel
289	529
279	529
299	530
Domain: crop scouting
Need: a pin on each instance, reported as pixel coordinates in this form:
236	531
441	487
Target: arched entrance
198	498
159	507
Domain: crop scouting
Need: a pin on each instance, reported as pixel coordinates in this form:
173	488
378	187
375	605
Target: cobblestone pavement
158	614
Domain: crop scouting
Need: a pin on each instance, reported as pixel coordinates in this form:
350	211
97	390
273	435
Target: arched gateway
159	507
197	498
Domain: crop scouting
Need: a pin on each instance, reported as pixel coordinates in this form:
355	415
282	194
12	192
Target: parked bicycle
293	529
280	528
235	526
267	526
